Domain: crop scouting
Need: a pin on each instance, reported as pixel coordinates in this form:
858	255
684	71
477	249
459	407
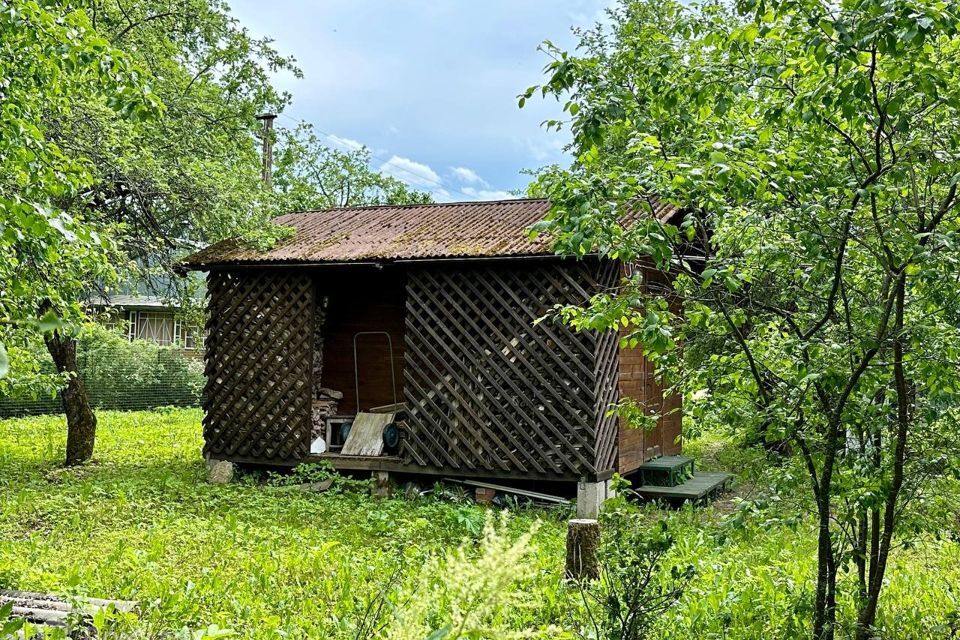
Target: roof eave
182	268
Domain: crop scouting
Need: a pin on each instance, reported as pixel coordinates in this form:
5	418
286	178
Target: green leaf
50	321
4	362
439	634
9	628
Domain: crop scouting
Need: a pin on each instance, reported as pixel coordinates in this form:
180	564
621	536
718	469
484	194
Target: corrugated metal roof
408	232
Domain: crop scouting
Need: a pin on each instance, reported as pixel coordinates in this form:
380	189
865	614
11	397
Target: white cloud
346	143
370	71
464	174
545	150
592	13
414	173
489	194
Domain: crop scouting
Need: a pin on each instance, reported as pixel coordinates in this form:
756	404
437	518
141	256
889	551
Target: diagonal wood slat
606	392
259	353
488	391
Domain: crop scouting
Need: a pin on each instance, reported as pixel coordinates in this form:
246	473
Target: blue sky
429	87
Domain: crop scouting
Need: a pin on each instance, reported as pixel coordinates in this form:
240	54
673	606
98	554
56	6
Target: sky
430	87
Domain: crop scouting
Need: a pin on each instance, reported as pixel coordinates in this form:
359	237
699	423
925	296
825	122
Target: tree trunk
81	421
825	610
868	613
824	615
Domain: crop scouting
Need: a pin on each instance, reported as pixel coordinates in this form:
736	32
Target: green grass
142	524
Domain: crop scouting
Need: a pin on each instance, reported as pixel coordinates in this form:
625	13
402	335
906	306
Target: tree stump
583	540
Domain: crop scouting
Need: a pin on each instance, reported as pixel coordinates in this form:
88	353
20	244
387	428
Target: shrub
119	374
637	582
472	592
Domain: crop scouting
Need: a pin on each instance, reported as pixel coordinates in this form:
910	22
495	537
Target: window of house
164	328
193	338
112	320
158	327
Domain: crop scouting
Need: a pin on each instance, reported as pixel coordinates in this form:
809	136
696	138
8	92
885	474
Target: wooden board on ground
534	495
366	434
51	610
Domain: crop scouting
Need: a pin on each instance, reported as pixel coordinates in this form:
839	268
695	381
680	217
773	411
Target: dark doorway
363	306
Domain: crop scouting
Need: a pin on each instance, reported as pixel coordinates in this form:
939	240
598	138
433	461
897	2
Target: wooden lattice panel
606	391
258	366
491	393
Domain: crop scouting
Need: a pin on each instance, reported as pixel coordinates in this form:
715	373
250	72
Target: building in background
152	357
152	319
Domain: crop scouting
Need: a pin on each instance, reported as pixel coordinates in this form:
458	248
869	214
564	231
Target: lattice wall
606	389
258	365
490	393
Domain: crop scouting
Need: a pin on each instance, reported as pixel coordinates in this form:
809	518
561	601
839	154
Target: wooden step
701	487
666	471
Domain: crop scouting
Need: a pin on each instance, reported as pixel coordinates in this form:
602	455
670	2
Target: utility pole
267	135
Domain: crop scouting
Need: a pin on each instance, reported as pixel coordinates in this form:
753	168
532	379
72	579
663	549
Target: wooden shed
432	307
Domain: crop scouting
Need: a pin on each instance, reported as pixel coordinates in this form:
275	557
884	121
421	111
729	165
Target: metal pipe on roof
267	133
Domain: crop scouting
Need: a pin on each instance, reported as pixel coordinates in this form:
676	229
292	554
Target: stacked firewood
324	405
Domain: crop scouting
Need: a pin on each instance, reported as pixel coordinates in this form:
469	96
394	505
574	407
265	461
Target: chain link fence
122	375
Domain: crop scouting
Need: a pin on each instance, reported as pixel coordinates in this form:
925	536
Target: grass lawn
141	524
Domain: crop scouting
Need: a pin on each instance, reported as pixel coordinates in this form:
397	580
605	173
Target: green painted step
666	471
700	487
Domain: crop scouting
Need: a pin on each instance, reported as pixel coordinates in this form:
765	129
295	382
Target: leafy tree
191	177
151	191
310	175
47	57
157	188
813	149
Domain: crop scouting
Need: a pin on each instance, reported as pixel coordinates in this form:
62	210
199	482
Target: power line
441	185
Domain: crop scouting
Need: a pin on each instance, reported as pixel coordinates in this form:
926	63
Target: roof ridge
458	203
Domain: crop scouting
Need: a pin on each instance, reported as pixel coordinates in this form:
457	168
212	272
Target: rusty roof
406	232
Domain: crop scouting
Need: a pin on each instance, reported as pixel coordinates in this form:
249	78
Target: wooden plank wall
489	392
362	300
637	380
258	365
